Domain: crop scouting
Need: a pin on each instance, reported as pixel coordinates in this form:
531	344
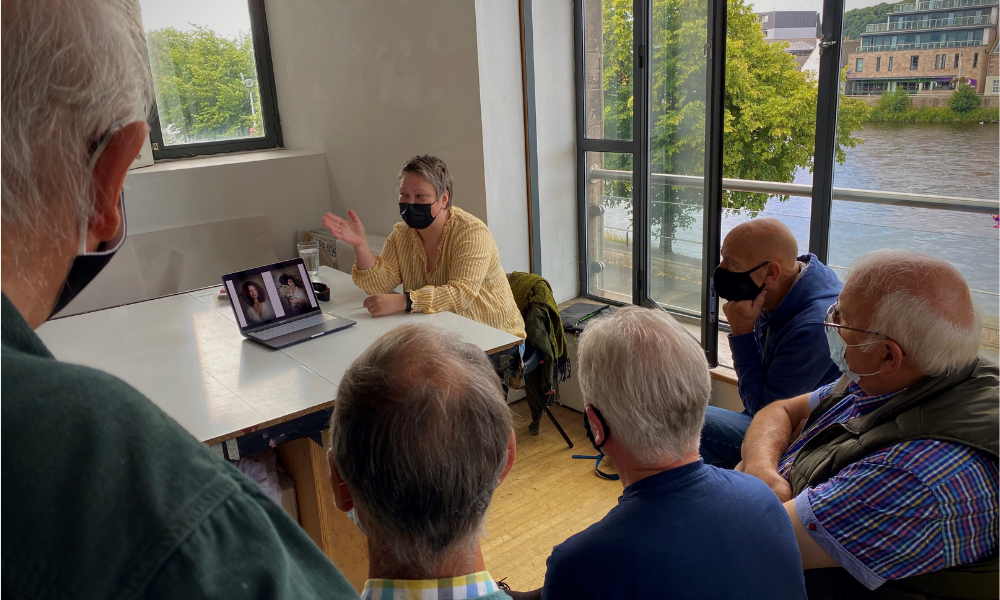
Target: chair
532	360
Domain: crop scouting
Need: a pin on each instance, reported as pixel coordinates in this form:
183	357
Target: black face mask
590	436
417	216
735	287
87	265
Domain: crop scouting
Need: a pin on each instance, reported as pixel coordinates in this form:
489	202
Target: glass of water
309	252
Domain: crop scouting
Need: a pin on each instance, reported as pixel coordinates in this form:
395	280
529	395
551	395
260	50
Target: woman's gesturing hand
351	232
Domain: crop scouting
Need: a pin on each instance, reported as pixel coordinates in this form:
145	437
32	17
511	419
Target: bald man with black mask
775	304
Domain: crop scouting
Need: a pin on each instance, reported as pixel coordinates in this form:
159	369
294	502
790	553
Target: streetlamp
249	83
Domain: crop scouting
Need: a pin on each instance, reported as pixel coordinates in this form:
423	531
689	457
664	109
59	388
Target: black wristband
409	303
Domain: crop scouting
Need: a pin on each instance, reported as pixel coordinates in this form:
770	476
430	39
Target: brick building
924	47
992	87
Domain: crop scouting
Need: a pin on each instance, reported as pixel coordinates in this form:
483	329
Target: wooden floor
546	498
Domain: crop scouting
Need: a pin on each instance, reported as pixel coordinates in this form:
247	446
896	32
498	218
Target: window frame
272	137
890	64
859	65
878	63
914	62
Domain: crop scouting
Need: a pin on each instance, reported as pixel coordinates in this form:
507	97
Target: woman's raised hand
350	231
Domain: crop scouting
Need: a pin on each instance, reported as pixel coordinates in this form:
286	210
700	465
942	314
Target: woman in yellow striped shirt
445	258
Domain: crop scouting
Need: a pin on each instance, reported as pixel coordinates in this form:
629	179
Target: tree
200	95
856	19
963	99
896	101
769	104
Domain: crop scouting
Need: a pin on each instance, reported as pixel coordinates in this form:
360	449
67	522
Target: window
975	60
996	86
890	63
937	61
914	62
212	77
878	63
956	61
859	64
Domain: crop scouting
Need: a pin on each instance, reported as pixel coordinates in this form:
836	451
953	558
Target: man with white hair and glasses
682	529
104	496
889	475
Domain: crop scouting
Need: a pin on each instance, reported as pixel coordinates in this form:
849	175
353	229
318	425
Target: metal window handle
823	45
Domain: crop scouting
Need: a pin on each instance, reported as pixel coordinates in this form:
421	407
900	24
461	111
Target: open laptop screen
271	294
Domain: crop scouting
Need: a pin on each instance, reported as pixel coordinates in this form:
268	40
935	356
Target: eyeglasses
833	320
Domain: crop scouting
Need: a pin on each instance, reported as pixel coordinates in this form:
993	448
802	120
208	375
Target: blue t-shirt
691	532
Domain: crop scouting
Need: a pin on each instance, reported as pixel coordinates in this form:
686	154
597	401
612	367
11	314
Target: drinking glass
309	252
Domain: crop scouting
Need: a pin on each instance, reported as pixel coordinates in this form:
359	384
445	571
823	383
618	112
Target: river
960	160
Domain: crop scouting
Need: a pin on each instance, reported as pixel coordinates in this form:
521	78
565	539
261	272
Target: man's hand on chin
742	315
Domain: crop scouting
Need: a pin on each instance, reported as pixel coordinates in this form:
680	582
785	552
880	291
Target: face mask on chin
737	286
417	216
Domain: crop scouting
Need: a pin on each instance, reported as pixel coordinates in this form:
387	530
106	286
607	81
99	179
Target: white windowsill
232	158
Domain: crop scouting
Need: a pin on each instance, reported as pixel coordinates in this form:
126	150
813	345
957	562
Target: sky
226	17
816	5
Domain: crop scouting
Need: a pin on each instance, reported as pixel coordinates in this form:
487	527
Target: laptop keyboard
280	330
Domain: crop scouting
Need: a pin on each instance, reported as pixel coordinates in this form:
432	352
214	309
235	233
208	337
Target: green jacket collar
15	332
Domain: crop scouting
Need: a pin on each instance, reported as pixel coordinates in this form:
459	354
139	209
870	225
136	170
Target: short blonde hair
433	170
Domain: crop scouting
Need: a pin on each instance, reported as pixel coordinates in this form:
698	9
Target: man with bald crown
775	306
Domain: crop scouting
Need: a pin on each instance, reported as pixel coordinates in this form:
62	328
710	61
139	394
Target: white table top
186	354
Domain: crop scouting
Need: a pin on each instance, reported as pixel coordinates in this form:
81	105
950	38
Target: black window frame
890	64
914	62
975	60
878	63
272	137
859	64
957	58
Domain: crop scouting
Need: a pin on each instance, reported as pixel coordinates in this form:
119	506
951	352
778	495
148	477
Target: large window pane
608	69
901	152
201	56
610	238
677	152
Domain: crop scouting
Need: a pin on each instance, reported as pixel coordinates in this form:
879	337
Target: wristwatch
409	303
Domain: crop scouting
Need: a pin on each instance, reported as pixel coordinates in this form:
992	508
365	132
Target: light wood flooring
546	498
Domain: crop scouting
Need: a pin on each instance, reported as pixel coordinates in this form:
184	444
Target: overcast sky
226	17
816	5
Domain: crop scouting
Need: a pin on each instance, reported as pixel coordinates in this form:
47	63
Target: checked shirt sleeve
912	508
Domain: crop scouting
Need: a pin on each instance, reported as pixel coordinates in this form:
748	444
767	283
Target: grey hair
899	286
70	68
434	171
649	378
419	435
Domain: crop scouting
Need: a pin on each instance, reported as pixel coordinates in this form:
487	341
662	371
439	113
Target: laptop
275	305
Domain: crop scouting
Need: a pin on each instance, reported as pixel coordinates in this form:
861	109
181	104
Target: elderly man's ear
341	495
109	177
511	456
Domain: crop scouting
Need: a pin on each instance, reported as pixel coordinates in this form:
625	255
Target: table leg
305	462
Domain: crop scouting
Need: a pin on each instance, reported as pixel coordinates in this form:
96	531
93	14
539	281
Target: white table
185	353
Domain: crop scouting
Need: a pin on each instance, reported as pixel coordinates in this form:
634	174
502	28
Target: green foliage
892	102
963	99
770	107
200	95
938	114
856	18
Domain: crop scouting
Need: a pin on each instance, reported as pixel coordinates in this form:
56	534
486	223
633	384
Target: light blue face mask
353	516
838	354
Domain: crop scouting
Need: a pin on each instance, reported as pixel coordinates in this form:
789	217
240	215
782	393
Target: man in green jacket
104	496
891	486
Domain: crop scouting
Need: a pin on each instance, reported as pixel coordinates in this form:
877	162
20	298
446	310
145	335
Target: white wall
290	188
556	129
372	83
501	92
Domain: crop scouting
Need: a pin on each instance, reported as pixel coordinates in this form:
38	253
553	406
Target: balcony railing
970	205
931	24
923	46
937	4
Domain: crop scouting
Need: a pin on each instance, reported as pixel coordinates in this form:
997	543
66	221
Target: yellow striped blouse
467	278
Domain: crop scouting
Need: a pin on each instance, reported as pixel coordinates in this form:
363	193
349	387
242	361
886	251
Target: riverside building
925	47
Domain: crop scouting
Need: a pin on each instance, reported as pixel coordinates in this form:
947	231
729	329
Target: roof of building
790	18
801	45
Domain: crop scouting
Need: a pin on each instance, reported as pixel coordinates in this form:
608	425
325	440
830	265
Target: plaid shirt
912	508
476	585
